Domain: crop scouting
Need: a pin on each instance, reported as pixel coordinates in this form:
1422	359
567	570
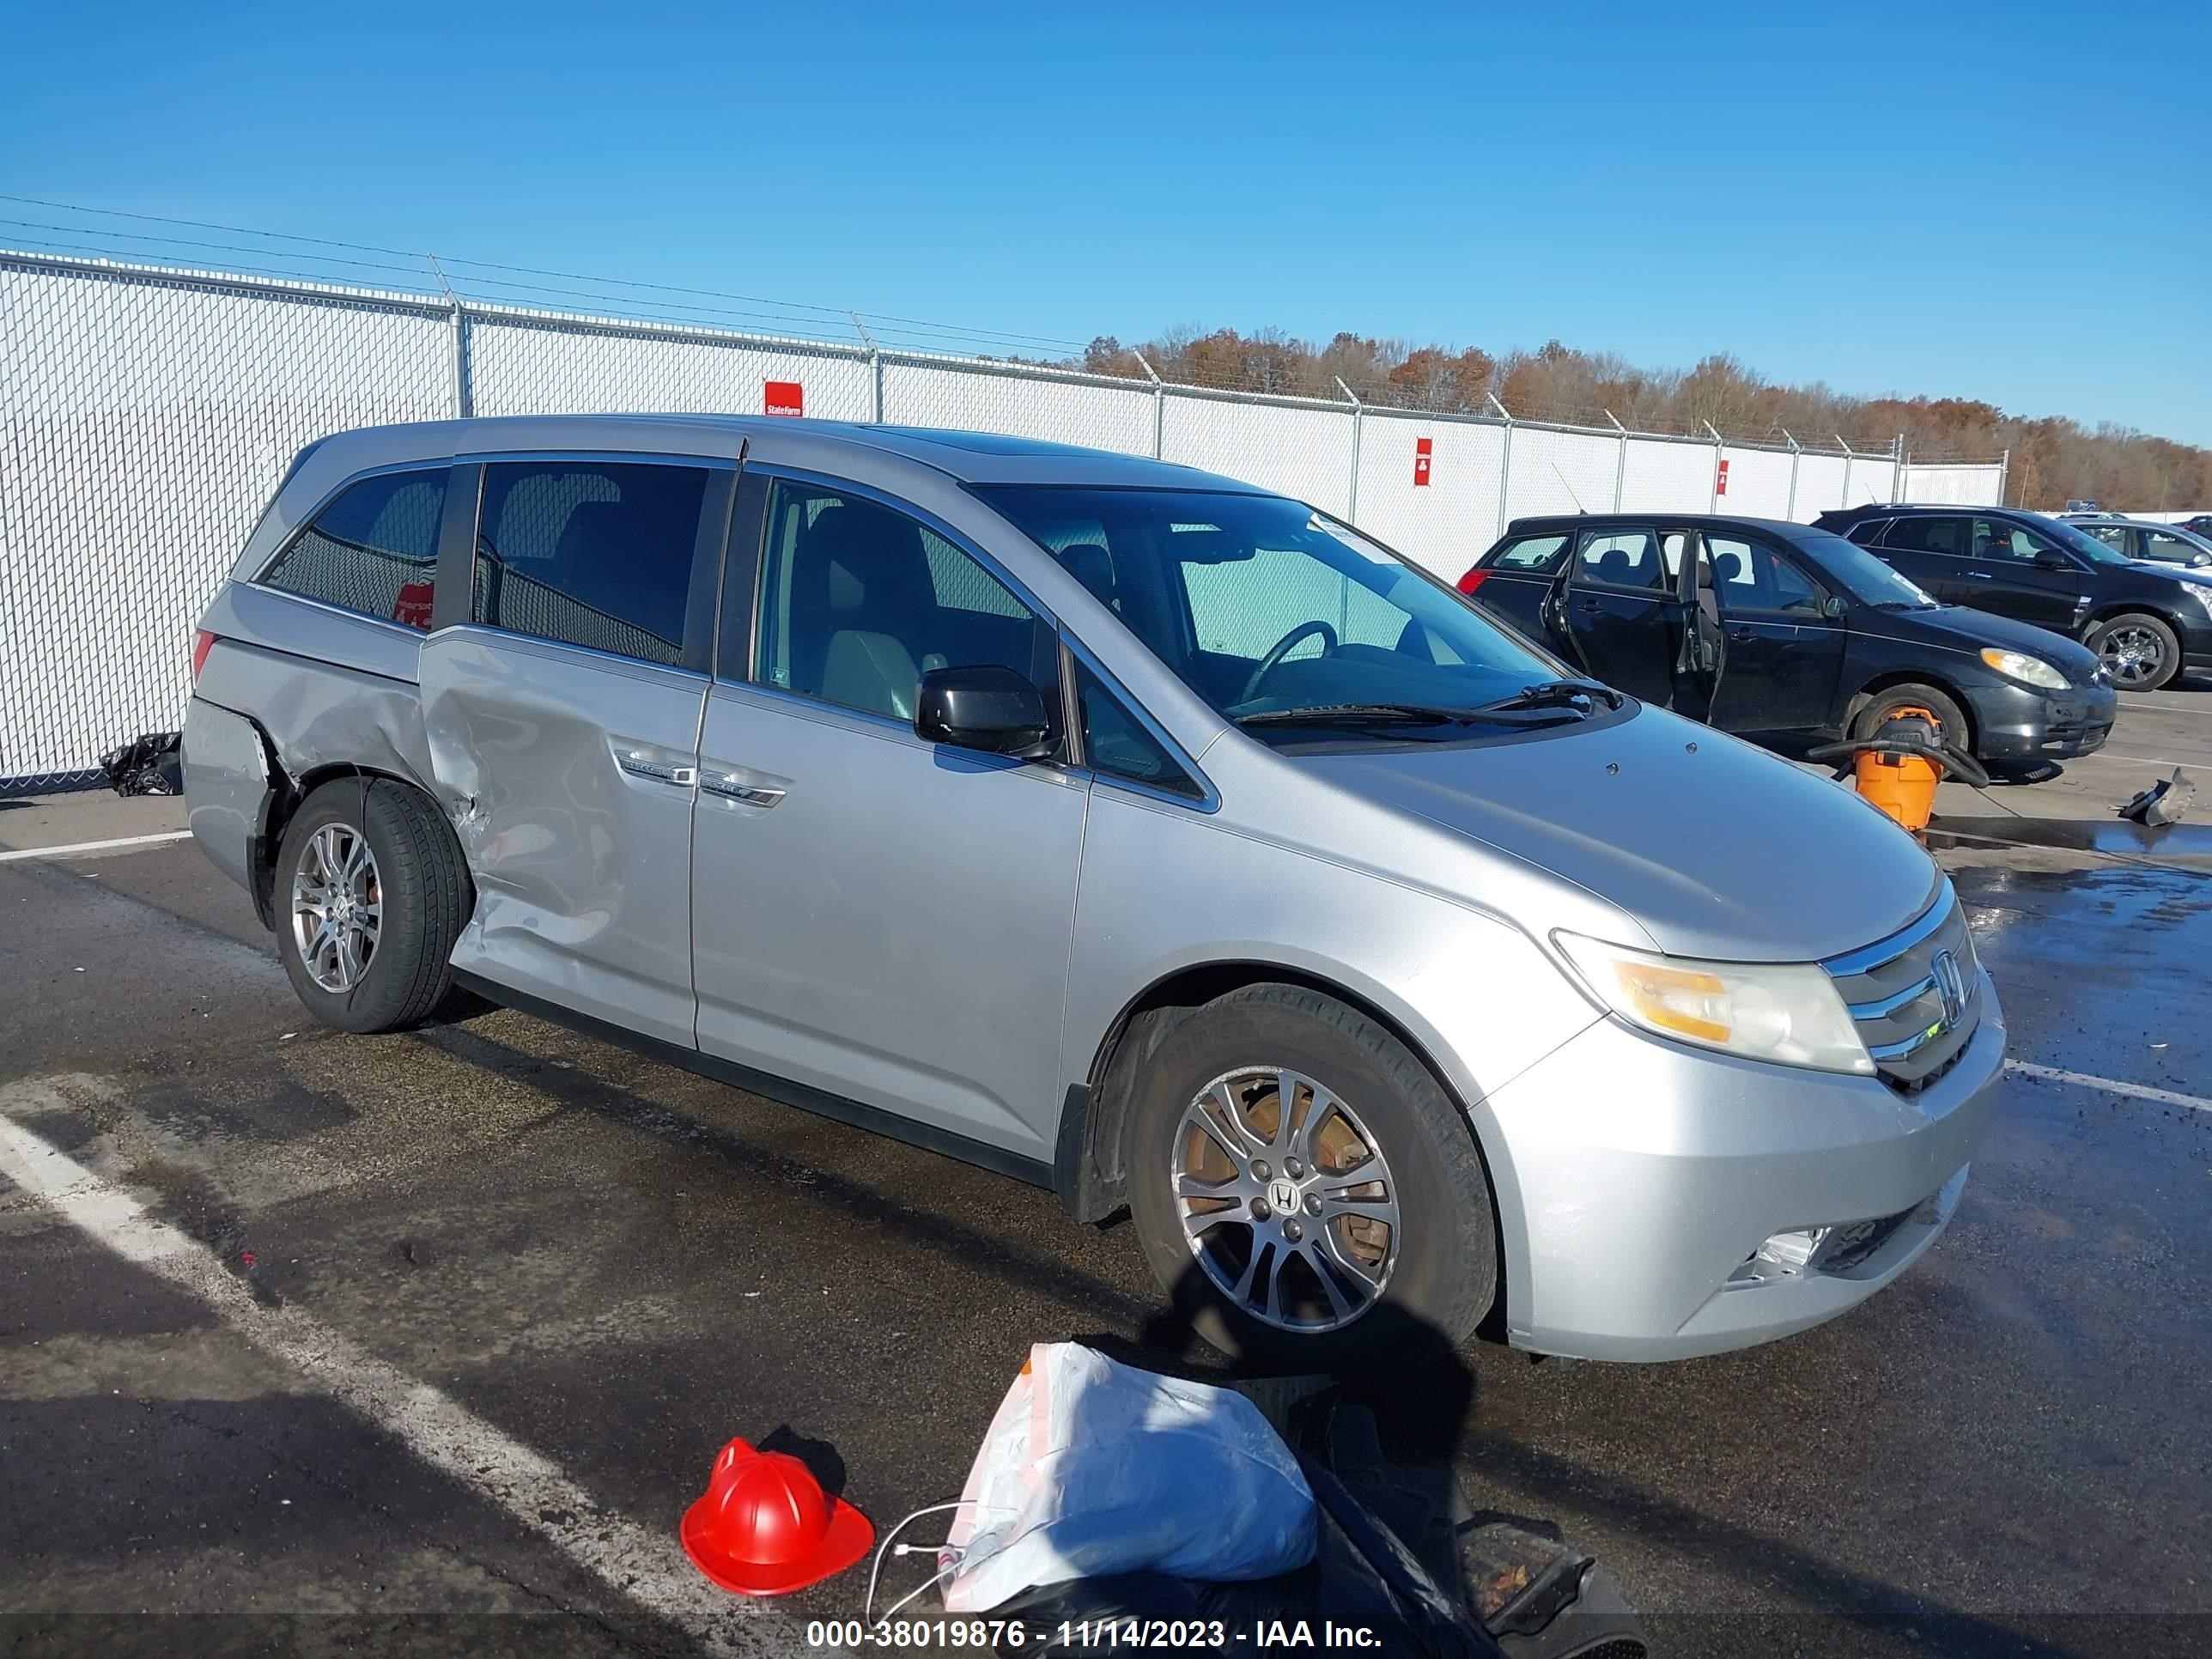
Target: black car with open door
1754	625
2148	621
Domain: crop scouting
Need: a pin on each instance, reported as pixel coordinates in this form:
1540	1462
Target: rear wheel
2138	650
1294	1168
1886	705
370	894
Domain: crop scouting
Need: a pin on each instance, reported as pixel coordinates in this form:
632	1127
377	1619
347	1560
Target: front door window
859	600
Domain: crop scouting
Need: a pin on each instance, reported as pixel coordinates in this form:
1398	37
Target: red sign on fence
1719	480
785	397
1423	448
411	604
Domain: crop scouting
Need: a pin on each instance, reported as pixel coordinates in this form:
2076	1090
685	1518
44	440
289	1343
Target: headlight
2029	671
1786	1011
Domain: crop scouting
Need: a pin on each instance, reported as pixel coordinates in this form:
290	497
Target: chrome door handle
640	766
1980	575
734	788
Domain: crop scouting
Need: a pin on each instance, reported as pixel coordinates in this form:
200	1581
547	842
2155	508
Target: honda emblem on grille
1951	986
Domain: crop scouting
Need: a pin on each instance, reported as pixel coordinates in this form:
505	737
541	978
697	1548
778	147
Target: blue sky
2013	202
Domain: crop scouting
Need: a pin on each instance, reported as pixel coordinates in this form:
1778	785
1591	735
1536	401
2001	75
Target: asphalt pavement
314	1343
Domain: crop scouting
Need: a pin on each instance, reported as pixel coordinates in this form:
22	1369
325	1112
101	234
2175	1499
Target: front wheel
2140	651
1294	1168
1951	724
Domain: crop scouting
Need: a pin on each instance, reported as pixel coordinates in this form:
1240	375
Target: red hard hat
766	1528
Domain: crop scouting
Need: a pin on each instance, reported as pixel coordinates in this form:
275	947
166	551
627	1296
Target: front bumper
2020	723
1645	1175
2196	641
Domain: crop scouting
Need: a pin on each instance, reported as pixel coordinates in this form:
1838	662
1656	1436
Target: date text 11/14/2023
986	1634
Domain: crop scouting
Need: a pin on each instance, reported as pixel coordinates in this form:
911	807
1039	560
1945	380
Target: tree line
2054	459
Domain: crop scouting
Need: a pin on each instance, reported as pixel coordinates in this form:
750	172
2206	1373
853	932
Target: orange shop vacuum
1898	765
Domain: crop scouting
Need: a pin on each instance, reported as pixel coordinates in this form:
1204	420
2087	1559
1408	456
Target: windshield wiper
1397	713
1357	714
1557	694
1406	715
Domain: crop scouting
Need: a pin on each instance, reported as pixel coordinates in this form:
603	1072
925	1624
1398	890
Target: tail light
203	642
1473	579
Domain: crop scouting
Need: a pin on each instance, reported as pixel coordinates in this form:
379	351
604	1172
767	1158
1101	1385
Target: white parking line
2150	760
648	1566
2109	1084
79	848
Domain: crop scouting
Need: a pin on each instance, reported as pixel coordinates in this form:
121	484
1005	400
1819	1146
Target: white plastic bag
1092	1467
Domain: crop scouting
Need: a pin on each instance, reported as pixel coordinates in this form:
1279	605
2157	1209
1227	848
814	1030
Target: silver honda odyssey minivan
1110	824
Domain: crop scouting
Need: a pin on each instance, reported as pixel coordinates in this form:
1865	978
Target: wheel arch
291	794
1091	1164
1933	679
2115	608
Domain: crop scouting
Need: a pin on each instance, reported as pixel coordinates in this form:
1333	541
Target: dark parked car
2199	526
2156	544
2148	625
1753	625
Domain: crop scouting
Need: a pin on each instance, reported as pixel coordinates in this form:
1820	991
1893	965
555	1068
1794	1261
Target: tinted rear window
1622	558
1929	536
590	553
1536	554
373	549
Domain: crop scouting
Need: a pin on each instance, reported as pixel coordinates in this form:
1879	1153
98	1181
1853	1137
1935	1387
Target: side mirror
2052	559
1835	607
986	705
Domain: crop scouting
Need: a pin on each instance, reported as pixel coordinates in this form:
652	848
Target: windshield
1861	575
1262	605
2081	541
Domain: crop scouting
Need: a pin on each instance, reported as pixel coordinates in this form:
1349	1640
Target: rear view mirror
1209	546
2051	559
1835	605
987	707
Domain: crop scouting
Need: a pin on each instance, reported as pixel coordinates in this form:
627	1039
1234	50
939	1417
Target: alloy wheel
1285	1199
2134	655
338	906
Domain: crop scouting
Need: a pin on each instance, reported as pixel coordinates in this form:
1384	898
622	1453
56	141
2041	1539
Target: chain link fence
147	412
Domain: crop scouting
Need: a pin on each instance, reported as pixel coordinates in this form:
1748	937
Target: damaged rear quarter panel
328	689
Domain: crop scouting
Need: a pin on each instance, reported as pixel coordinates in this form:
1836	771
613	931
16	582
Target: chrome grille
1915	996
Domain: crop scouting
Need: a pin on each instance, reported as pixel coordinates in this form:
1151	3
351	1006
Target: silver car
1110	824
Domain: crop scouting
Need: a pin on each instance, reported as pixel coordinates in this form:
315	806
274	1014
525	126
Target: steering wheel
1282	648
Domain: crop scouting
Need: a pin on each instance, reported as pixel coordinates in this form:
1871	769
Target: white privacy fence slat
1097	414
146	415
538	367
1446	523
1302	450
143	425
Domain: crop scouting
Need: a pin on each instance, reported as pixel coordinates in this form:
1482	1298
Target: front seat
872	600
1093	565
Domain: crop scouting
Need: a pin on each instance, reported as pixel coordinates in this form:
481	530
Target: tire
414	876
1951	720
2139	645
1433	1273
